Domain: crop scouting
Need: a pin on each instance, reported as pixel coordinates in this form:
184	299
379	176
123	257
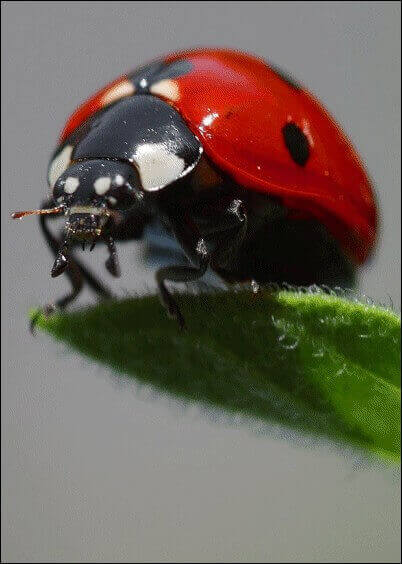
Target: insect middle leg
229	235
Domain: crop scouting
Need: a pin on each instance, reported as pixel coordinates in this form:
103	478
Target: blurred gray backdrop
98	469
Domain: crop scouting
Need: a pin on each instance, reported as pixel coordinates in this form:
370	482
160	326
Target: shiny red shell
237	106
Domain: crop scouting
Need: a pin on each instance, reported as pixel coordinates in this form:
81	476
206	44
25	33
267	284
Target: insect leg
75	270
195	247
229	235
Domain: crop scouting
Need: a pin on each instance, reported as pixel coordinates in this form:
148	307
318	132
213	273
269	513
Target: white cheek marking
120	90
71	184
167	89
102	185
119	180
59	164
112	200
157	166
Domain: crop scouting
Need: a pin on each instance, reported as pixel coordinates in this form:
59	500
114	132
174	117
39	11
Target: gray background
97	469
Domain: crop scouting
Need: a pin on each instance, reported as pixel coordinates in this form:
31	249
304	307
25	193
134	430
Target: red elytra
237	106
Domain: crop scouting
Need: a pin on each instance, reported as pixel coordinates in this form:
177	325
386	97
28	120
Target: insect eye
120	196
58	193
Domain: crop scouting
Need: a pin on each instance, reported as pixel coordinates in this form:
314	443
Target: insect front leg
75	271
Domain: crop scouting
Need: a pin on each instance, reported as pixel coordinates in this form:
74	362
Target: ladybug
233	158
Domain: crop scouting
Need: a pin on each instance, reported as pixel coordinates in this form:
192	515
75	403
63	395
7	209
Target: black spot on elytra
286	77
174	69
147	75
296	143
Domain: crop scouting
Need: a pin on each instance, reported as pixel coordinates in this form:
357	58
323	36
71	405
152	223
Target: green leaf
312	362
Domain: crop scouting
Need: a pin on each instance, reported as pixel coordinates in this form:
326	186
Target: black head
93	193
